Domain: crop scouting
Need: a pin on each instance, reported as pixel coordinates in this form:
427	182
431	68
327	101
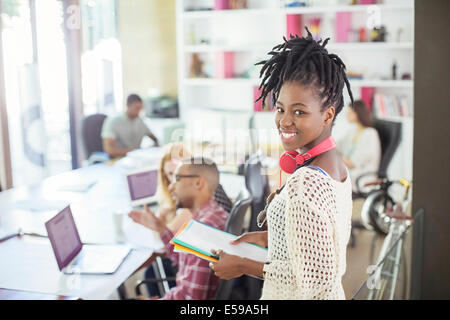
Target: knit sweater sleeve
312	261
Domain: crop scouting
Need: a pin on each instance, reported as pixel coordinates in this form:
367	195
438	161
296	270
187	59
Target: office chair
91	130
234	225
257	184
390	134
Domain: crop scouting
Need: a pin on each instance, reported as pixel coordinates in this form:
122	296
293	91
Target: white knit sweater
309	225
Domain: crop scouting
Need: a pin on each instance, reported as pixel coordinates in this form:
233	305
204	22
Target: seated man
124	133
193	186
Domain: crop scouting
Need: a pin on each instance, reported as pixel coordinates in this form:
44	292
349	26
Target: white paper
203	237
139	236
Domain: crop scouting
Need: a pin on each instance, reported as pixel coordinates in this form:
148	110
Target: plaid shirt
195	280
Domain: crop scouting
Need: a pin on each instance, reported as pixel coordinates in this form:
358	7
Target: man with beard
193	187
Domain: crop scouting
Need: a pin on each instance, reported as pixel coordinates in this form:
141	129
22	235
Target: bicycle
381	215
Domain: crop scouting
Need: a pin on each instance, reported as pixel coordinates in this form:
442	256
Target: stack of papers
199	239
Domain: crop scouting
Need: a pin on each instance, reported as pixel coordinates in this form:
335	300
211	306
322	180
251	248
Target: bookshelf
332	46
273	7
229	42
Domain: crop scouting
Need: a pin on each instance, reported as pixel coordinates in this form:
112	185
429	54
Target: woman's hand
148	219
228	266
256	237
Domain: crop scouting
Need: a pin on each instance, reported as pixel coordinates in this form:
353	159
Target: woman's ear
329	114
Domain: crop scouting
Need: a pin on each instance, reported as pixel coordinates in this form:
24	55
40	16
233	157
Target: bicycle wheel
373	213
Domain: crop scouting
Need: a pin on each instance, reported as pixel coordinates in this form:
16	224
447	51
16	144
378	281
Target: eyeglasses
178	177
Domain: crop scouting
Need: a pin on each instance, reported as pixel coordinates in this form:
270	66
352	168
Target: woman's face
169	169
299	119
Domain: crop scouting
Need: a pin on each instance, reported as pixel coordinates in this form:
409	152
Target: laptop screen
64	237
143	184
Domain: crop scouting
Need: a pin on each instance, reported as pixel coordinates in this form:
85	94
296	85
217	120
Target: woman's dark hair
133	98
304	60
363	113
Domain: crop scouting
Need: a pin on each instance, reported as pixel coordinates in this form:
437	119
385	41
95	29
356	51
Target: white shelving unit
274	9
256	81
251	33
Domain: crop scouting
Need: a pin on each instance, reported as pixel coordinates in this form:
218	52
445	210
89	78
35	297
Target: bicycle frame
392	246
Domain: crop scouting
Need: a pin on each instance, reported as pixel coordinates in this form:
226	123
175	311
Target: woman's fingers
216	252
241	238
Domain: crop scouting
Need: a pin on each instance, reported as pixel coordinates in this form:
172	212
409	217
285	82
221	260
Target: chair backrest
390	134
234	225
91	131
235	221
257	184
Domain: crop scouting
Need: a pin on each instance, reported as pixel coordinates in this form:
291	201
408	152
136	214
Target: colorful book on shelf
343	26
258	106
389	105
224	65
197	238
293	24
367	94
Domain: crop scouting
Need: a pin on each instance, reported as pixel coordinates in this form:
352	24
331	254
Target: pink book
366	1
257	106
224	65
293	24
367	95
343	26
221	5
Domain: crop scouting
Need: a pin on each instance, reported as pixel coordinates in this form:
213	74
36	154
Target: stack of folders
199	239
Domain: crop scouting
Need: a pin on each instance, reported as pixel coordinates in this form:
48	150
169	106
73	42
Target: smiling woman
309	218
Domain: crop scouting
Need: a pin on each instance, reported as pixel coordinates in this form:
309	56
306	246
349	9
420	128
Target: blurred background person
360	148
123	133
171	212
173	215
194	185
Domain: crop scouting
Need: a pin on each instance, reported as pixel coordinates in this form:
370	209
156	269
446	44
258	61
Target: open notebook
199	238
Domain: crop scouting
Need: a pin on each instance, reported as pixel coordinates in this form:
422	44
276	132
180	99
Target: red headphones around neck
291	159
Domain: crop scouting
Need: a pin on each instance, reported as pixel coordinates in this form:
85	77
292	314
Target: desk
93	210
6	294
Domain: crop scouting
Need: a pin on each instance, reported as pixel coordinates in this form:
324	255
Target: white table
29	264
32	266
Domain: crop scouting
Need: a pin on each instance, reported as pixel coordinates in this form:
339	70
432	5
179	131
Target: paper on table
203	238
139	236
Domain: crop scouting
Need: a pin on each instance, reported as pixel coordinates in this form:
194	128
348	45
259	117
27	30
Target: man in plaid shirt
195	182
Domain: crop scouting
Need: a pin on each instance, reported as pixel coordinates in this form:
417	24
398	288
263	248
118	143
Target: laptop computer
142	185
73	256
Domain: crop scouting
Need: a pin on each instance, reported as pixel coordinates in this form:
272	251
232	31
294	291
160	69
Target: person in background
174	217
124	133
168	210
194	184
360	148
